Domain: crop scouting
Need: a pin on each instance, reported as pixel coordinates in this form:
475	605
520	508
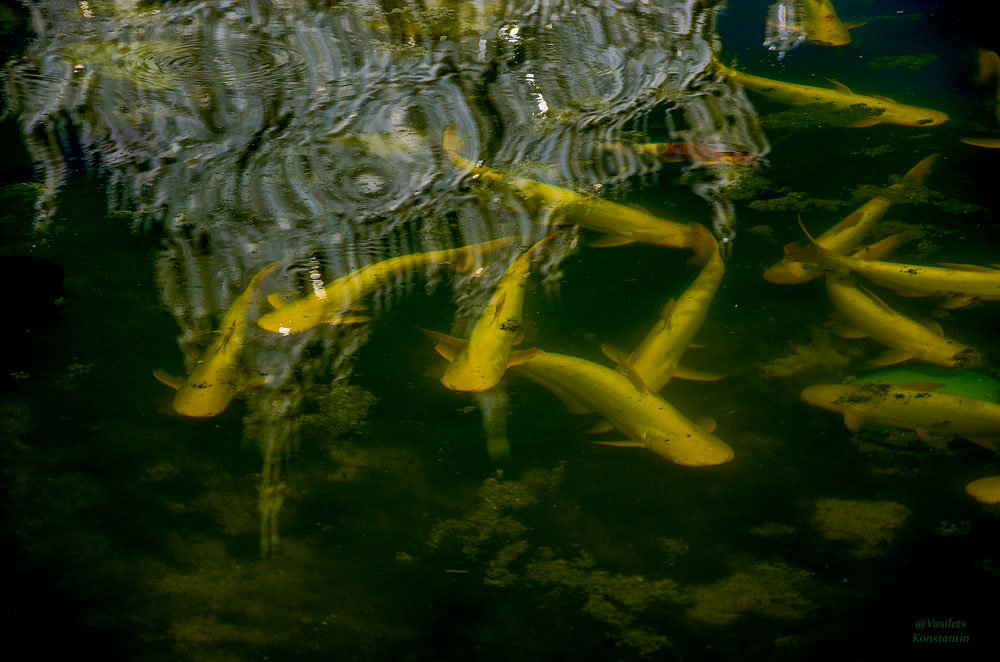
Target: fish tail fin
988	63
453	144
812	242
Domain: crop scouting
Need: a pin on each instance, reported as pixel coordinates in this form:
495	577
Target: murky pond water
316	310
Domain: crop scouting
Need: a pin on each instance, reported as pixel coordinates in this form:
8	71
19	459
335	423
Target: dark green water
131	533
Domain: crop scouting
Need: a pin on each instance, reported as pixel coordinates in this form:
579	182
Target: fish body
479	363
846	235
910	406
985	490
657	356
699	154
210	387
959	284
645	418
867	315
841	98
333	304
621	224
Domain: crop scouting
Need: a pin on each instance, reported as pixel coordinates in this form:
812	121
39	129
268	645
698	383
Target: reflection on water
322	177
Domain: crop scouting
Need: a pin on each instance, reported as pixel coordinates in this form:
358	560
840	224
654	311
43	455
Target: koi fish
800	265
210	387
336	303
959	284
697	154
822	26
657	356
865	315
620	224
477	364
884	110
912	406
989	66
645	418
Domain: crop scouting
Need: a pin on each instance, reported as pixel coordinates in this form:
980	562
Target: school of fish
623	394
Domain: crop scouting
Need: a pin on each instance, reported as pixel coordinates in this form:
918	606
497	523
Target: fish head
203	400
694	450
296	317
914	116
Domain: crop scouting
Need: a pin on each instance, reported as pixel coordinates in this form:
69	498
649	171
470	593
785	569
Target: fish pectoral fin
696	375
612	240
601	427
870	120
969	267
621	444
840	87
436	371
854	420
276	300
618	356
521	356
851	26
892	357
951	303
169	380
799	253
447	346
338	318
909	294
667	309
707	424
845	330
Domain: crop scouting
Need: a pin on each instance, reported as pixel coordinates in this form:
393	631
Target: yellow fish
211	386
657	356
800	267
866	315
822	26
885	110
912	406
333	304
646	419
620	224
477	364
959	284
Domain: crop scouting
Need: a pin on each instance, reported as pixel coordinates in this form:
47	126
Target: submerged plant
869	525
766	589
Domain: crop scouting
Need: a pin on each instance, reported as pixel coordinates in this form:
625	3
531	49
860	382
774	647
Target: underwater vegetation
869	526
772	589
911	62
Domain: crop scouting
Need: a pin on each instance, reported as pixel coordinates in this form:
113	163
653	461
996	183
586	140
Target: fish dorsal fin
695	375
840	87
169	380
844	330
892	357
522	356
621	444
875	298
499	307
276	300
919	386
854	420
707	424
881	98
612	240
667	309
882	249
447	346
619	357
971	267
932	326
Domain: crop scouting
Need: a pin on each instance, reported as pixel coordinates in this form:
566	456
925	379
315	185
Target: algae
766	589
822	351
772	530
869	525
914	192
911	62
817	116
